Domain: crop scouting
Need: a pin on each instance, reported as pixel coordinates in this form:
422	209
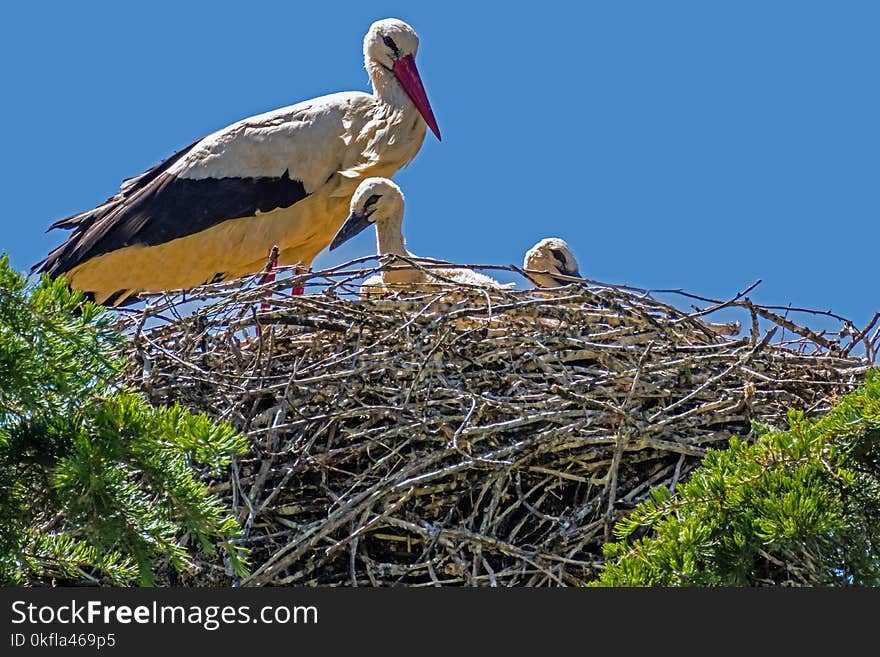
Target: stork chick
213	210
380	202
550	257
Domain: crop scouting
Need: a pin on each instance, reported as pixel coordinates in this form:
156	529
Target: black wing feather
157	207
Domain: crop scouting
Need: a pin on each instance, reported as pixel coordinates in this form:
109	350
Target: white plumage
549	258
215	209
380	202
552	257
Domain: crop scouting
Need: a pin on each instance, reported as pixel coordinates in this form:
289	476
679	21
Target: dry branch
463	436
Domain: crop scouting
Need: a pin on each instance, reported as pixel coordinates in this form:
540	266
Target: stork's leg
269	275
300	289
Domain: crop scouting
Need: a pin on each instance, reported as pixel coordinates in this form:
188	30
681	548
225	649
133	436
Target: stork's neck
389	129
386	87
545	280
389	240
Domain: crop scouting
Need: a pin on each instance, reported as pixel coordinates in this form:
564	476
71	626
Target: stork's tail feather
49	264
67	256
79	223
80	218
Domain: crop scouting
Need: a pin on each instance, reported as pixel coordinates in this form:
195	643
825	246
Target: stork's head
392	45
554	256
375	200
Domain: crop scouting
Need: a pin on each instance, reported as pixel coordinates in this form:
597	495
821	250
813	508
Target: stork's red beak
408	75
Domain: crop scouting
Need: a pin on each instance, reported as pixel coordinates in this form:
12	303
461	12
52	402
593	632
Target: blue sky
697	145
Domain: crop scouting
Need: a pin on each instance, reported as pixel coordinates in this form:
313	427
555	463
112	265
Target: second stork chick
552	257
379	202
549	258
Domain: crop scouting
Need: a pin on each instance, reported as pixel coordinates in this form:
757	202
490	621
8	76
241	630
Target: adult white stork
214	209
549	258
379	201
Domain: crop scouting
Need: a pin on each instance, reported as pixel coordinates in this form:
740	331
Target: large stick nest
462	436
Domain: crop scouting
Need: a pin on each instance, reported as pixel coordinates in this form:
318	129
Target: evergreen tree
96	485
798	507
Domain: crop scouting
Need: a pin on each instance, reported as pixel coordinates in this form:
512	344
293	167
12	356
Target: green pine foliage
96	485
799	507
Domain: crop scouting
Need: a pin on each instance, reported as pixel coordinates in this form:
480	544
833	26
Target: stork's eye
559	255
372	200
390	43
